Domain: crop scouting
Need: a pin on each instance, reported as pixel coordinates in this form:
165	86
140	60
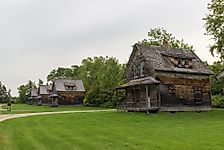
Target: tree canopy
25	91
4	93
217	80
157	36
100	76
215	26
217	84
64	73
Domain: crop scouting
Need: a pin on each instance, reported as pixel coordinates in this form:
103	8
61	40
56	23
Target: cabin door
197	95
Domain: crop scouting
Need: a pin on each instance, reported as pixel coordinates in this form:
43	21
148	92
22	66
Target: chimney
165	43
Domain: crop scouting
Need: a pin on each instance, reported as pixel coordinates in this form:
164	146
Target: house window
182	63
70	87
138	70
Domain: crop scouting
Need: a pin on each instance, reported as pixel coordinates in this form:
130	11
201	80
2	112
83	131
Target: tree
215	26
40	82
64	73
100	76
217	84
158	36
4	94
217	80
25	91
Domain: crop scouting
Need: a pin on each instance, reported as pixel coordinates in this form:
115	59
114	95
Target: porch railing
132	106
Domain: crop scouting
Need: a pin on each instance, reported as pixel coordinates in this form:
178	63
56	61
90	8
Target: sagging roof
34	92
140	81
44	89
156	56
60	85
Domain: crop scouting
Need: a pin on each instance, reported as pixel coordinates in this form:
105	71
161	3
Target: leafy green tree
40	82
64	73
159	37
22	94
215	26
100	76
25	91
4	94
217	80
217	84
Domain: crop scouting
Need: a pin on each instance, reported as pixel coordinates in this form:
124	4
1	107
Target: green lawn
115	130
25	108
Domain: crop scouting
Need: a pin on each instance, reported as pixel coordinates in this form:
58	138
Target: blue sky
38	36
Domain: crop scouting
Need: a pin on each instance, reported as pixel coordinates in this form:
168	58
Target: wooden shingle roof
141	81
61	83
156	56
44	89
34	92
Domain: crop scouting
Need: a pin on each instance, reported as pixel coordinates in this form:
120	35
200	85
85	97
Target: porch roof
141	81
38	97
54	95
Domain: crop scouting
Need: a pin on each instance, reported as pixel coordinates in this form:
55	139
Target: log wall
45	99
179	88
71	98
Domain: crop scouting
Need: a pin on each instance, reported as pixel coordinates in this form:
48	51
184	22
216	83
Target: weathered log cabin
33	96
166	79
67	92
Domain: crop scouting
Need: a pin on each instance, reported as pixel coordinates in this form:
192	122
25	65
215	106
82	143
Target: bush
218	101
104	98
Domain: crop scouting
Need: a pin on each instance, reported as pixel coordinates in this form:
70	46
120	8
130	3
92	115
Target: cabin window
70	87
139	70
136	71
182	63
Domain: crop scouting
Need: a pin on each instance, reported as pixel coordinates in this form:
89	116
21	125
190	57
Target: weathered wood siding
137	59
71	98
45	99
177	88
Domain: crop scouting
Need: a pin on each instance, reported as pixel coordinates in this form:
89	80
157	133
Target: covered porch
54	99
141	95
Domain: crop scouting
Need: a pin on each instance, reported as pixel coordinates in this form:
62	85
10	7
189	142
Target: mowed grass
25	108
115	131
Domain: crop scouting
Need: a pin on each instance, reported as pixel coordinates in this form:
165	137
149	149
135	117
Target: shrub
218	101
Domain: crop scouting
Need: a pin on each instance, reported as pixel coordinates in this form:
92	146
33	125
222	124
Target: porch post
126	98
146	96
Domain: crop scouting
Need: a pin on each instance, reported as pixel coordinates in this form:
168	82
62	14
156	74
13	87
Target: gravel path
11	116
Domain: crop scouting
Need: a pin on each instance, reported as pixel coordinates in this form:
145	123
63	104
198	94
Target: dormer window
70	87
181	62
